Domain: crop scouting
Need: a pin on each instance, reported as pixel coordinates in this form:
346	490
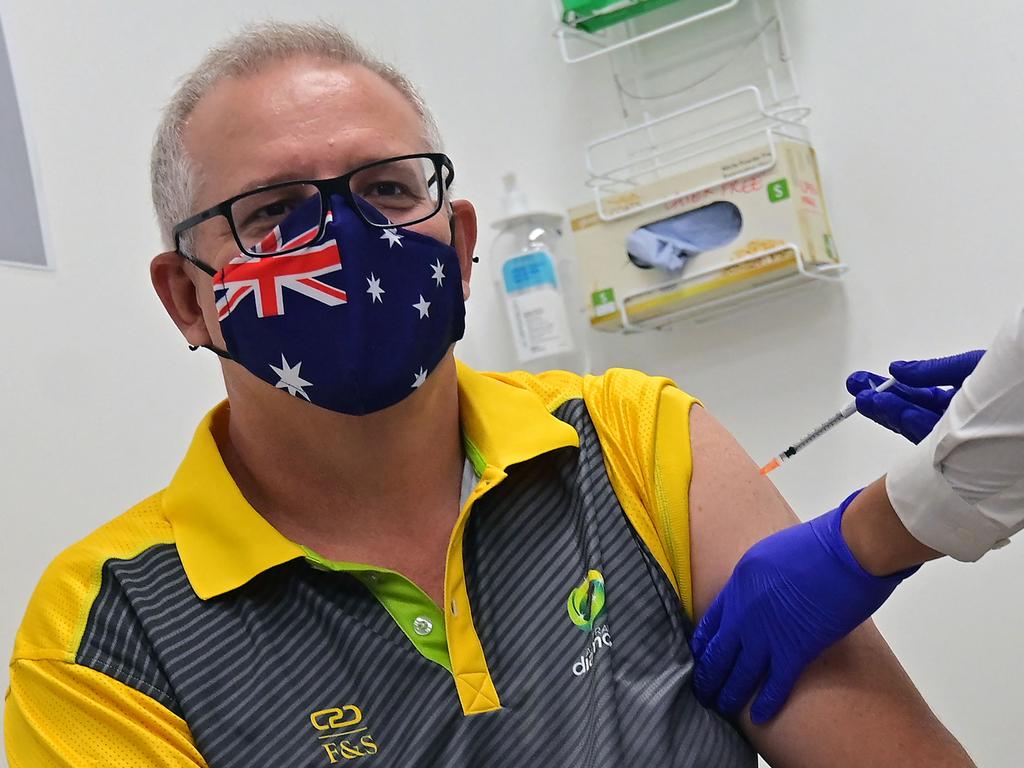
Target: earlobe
465	230
179	295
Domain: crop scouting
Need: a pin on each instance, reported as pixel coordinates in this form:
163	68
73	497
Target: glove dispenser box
649	258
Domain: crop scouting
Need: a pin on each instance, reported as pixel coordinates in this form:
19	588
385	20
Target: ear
464	217
175	282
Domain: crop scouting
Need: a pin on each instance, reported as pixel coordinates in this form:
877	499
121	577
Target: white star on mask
438	273
419	378
393	238
290	378
374	290
423	306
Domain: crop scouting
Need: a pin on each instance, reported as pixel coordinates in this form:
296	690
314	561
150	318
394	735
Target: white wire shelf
624	160
571	40
715	306
707	98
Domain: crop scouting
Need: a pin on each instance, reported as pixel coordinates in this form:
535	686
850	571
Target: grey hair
173	173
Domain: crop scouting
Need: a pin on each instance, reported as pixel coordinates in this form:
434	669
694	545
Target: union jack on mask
355	321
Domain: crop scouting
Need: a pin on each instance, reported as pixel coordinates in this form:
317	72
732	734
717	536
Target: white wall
918	122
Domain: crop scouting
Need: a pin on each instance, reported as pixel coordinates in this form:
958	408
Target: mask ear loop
215	350
211	272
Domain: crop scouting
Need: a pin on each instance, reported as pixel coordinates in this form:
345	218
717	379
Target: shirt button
1000	544
422	625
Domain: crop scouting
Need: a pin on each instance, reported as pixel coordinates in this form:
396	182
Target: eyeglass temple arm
202	265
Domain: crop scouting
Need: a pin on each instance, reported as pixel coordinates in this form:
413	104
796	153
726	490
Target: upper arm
853	706
64	715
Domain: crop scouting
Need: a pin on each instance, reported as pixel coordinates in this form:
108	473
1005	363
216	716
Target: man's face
301	118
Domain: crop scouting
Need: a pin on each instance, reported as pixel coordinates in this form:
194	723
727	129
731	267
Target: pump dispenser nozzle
514	199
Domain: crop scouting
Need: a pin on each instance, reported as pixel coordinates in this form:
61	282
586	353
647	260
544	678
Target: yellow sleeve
61	715
643	422
673	468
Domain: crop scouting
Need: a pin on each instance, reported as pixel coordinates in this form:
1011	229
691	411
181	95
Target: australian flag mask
355	321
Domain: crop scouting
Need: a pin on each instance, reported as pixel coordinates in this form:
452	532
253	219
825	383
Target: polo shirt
190	632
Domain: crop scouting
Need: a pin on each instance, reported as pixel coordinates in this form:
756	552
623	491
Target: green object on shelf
595	15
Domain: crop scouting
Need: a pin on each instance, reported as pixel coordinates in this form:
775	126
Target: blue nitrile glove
790	597
912	407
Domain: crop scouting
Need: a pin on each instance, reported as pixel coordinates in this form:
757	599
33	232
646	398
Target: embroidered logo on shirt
341	737
586	605
586	602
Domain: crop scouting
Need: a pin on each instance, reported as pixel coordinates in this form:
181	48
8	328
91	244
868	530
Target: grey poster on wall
21	235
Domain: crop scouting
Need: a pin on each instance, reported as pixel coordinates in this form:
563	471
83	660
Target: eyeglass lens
402	191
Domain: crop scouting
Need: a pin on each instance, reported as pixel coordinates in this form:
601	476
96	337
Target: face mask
355	321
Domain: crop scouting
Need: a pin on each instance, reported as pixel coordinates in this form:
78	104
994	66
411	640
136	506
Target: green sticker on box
830	248
778	190
603	301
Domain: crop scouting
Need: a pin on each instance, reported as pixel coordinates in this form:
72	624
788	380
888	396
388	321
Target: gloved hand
912	407
790	597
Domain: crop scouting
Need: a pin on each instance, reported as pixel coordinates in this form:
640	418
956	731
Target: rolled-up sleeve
961	491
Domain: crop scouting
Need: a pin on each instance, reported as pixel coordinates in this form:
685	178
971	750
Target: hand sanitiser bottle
535	285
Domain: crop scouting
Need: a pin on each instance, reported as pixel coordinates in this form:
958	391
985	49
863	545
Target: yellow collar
505	422
223	542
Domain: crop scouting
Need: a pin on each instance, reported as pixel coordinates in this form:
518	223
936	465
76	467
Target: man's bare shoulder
732	506
854	706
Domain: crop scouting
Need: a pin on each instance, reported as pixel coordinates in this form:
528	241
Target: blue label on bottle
531	270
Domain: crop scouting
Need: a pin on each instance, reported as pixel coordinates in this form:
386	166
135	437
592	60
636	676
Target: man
372	553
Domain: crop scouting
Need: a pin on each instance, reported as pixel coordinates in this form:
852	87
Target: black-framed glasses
394	192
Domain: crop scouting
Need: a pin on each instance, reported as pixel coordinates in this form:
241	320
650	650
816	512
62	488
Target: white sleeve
961	491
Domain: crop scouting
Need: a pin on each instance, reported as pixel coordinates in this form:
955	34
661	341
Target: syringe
838	418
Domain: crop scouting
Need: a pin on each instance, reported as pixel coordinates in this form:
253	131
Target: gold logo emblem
336	718
343	738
